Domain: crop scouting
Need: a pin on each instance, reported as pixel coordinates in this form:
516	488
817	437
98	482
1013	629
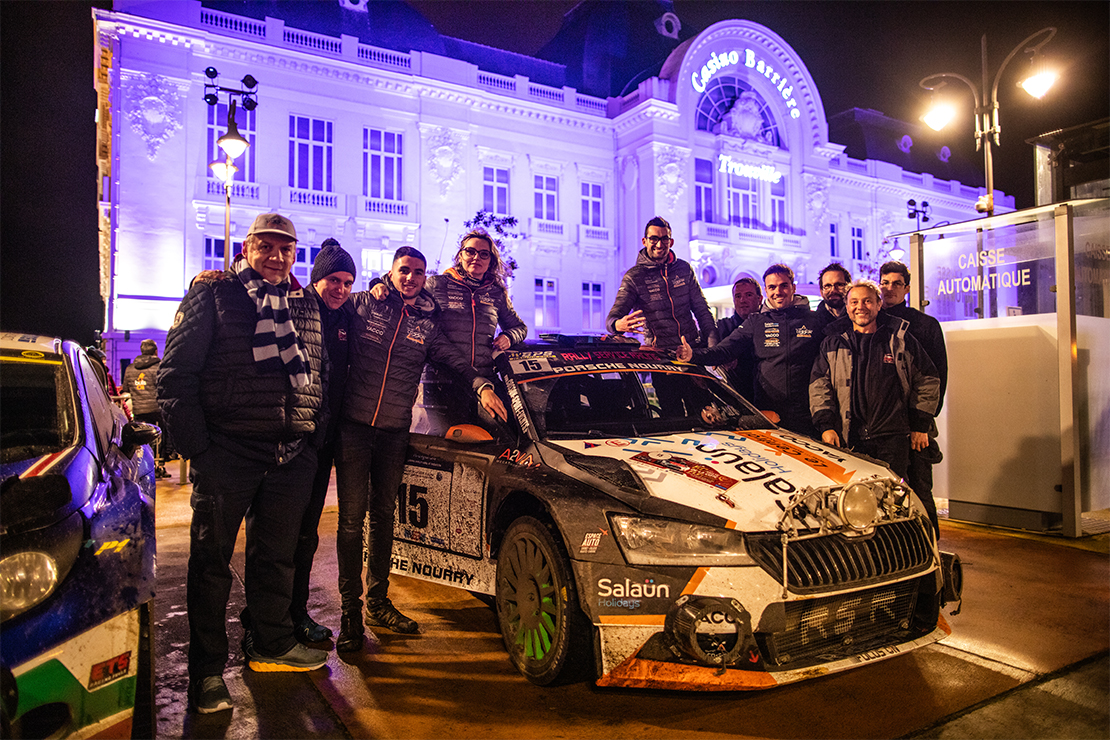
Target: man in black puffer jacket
140	379
663	296
241	388
390	340
783	339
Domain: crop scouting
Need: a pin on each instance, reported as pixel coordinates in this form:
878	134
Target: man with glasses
833	280
894	284
660	297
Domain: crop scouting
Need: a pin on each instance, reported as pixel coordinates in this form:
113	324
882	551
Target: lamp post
231	143
986	108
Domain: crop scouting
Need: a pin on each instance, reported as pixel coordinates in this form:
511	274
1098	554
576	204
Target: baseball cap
273	223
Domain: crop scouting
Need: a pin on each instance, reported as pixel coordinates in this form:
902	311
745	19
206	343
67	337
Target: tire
144	720
547	636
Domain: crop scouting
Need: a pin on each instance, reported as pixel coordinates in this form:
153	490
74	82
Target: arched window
730	106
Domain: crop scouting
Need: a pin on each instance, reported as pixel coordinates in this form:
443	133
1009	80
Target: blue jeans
226	489
369	466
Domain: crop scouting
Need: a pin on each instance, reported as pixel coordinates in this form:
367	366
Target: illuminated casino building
373	128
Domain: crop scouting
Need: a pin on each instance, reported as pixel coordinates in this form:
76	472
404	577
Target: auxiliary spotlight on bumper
712	631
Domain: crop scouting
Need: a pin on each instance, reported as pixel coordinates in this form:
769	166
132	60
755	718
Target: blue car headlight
26	578
652	541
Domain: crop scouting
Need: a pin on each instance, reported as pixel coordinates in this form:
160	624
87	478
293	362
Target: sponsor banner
472	574
622	592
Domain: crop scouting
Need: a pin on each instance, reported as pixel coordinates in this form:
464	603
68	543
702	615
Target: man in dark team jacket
663	296
333	276
894	284
390	340
783	340
241	389
873	388
746	297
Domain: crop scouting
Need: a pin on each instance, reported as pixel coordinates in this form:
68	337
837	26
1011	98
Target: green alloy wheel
543	627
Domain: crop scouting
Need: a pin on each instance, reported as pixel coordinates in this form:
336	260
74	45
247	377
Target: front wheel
542	625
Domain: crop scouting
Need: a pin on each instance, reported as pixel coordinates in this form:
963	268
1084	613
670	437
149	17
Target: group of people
266	384
863	370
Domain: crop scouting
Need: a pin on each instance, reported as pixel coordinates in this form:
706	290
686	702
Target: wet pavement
1027	659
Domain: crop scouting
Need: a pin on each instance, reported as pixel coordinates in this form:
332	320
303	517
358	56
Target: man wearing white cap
241	392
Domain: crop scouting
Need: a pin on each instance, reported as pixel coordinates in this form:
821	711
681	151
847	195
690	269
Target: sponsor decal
804	332
617	442
447	574
695	471
342	335
416	331
487	300
590	542
517	404
752	470
590	445
517	457
177	319
627	594
601	367
803	452
888	359
109	546
109	670
883	652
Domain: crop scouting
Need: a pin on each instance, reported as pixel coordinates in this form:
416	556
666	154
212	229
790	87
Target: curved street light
986	109
232	143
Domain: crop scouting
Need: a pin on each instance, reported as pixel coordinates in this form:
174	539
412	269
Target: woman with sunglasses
473	302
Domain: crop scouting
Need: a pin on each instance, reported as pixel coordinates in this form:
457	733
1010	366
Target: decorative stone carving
153	105
670	178
817	199
744	119
630	173
444	157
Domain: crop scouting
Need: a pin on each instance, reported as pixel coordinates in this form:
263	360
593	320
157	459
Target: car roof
16	342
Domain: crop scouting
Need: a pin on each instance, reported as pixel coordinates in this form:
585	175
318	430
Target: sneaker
210	695
384	614
350	633
298	658
308	629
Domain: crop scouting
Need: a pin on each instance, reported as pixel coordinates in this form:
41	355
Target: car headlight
650	541
26	578
858	506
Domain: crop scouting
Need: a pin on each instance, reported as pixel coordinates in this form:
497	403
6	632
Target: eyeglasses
471	252
826	286
655	241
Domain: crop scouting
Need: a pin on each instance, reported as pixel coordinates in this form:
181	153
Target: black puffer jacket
210	388
671	299
140	379
390	342
335	326
783	343
469	316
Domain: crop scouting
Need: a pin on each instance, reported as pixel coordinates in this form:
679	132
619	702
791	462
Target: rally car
639	523
76	548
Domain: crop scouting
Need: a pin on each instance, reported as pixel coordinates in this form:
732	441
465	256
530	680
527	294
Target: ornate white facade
381	148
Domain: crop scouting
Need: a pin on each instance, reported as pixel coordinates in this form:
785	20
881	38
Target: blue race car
76	548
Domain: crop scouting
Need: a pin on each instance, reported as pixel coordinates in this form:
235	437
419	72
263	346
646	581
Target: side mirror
136	434
468	433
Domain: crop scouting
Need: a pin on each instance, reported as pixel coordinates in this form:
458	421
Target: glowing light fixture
938	116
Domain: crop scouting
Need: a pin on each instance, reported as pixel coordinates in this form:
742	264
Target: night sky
860	54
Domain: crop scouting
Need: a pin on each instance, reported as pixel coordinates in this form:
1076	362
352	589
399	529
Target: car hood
744	477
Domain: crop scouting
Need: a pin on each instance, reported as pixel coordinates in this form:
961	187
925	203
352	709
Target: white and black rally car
638	519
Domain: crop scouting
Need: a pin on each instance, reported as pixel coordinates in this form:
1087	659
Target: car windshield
636	402
36	408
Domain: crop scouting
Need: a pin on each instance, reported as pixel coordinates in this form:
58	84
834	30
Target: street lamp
231	143
986	109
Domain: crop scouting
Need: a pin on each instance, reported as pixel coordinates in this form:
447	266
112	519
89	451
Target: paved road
1027	658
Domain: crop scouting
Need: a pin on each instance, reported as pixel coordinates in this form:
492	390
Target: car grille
834	627
835	562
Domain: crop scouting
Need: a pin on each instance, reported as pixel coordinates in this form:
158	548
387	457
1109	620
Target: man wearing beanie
140	379
241	388
333	276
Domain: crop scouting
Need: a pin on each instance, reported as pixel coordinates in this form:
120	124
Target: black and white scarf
275	343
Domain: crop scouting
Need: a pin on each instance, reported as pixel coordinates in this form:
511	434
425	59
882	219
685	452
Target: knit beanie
331	258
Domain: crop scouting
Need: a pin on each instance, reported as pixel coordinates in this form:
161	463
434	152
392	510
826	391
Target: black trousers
920	478
226	489
893	449
370	463
309	540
